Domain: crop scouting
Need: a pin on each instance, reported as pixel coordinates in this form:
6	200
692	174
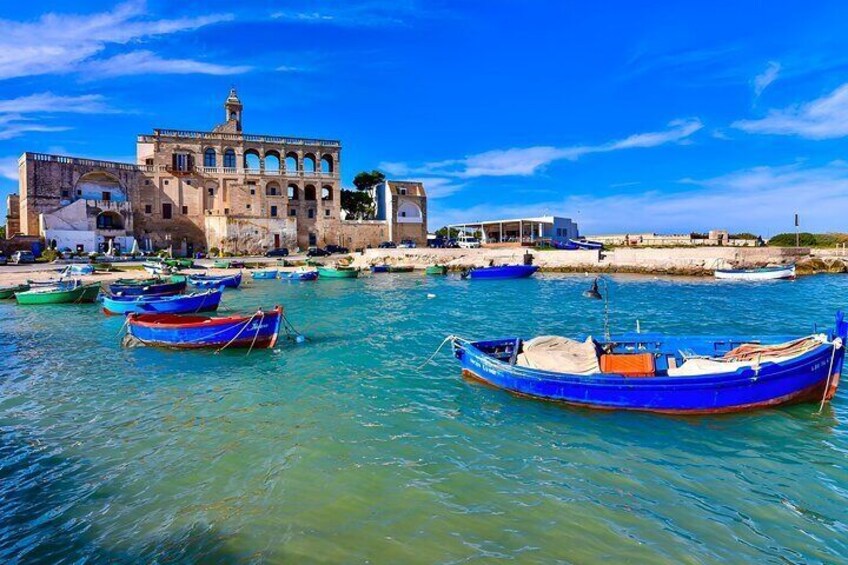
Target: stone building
197	190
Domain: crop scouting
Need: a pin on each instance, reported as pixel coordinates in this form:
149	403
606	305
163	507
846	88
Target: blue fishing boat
264	274
379	268
163	288
259	330
205	301
208	281
300	275
501	272
567	245
657	373
586	244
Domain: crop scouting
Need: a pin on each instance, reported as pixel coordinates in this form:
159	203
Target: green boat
138	282
7	292
179	263
436	270
221	264
401	268
337	272
62	294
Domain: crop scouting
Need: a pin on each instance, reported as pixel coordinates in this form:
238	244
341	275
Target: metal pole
797	232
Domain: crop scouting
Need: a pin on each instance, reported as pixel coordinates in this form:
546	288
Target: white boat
157	268
761	274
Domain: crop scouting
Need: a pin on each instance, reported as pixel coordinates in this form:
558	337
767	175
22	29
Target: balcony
236	137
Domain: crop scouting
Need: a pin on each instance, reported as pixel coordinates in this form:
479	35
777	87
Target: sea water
343	449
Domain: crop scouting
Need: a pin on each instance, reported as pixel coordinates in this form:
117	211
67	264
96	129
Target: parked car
452	244
468	242
387	245
407	244
316	252
437	242
278	252
3	259
19	257
336	249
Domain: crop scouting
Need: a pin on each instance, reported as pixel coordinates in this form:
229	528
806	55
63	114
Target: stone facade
403	206
13	215
194	190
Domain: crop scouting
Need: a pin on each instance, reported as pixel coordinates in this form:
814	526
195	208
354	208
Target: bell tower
234	108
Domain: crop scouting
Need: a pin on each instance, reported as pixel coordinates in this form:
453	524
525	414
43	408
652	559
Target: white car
467	242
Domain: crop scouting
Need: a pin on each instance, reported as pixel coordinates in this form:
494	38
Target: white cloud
59	43
768	76
823	118
374	13
47	102
13	130
761	199
147	62
528	161
9	168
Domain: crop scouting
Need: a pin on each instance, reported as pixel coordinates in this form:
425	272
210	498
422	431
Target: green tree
358	203
2	232
806	239
447	232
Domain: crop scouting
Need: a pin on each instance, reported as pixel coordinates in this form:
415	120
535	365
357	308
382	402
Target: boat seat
629	364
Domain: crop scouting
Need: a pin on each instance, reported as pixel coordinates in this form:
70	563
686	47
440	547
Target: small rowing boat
69	293
379	268
585	244
762	274
204	301
259	330
264	274
401	268
146	288
436	270
338	272
300	274
501	272
7	292
659	373
208	281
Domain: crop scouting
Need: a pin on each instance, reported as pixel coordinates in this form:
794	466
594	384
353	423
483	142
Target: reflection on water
341	449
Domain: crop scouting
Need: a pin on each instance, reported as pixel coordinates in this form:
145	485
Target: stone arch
326	192
273	189
252	159
309	192
272	161
292	164
309	163
230	158
210	157
110	220
100	185
327	164
409	212
293	192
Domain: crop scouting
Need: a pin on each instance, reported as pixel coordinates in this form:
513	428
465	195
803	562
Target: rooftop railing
80	161
237	137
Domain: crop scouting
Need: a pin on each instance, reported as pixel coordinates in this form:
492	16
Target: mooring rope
235	337
451	338
837	343
258	327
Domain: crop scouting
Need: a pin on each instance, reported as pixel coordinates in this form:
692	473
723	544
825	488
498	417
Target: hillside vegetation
808	239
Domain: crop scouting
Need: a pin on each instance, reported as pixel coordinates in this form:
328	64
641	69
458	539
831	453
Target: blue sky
667	117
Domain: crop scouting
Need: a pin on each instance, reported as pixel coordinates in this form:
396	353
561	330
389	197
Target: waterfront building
521	230
197	190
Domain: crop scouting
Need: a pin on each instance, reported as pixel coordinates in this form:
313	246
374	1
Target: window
148	208
211	191
182	162
166	211
106	195
402	191
209	159
247	206
226	210
403	214
148	162
79	192
65	194
293	212
185	210
230	159
311	213
273	211
327	212
165	182
252	191
188	182
146	181
292	192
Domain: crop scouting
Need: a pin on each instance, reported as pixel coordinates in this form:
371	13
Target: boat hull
264	275
765	274
60	295
9	291
503	272
436	270
259	330
810	377
231	281
332	273
379	268
206	301
156	289
300	276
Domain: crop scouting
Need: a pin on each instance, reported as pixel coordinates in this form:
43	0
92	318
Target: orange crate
629	364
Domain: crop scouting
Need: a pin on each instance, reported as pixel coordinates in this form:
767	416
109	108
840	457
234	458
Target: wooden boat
204	301
159	288
61	294
264	274
649	372
762	274
379	268
567	245
401	268
221	264
436	270
259	330
501	272
179	263
158	268
338	272
300	275
7	292
208	281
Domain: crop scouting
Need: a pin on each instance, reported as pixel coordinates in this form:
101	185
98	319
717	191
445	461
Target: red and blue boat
204	301
148	288
258	330
501	272
209	281
656	373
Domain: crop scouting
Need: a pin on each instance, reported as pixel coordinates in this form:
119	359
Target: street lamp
594	293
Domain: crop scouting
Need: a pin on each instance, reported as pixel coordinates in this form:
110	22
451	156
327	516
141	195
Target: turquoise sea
342	449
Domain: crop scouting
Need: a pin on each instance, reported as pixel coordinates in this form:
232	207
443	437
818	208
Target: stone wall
13	215
359	234
249	235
